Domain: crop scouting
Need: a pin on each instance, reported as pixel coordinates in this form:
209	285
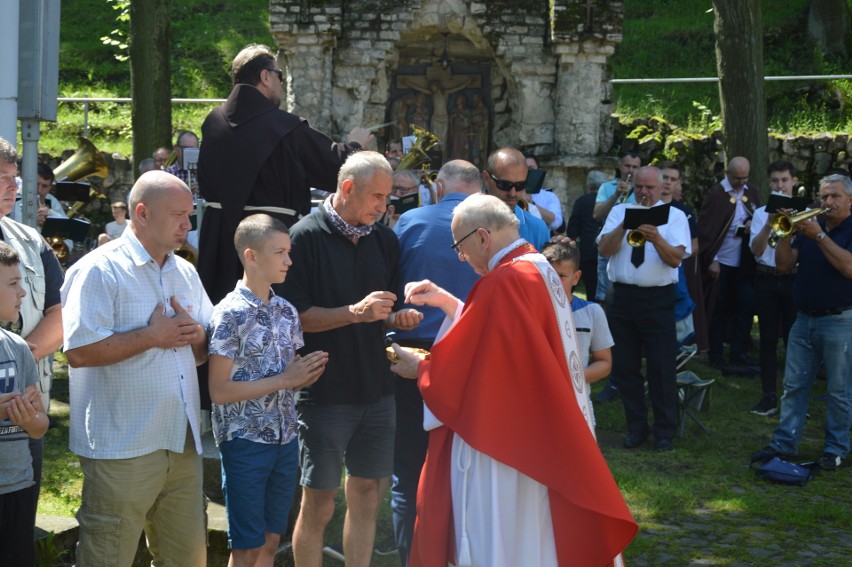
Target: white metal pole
9	29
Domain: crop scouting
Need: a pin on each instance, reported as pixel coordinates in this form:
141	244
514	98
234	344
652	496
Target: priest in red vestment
513	474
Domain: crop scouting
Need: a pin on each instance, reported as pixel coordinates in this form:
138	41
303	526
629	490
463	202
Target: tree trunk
739	63
828	26
150	76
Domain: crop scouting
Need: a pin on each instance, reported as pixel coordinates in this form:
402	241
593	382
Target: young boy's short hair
562	252
119	205
8	255
254	230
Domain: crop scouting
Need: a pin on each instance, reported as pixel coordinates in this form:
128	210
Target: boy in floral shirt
254	370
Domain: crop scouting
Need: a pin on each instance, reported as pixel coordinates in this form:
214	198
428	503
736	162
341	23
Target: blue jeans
813	340
603	281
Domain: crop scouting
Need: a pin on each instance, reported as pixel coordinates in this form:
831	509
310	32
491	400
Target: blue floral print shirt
262	340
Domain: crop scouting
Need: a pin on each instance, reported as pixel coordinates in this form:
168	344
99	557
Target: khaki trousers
159	492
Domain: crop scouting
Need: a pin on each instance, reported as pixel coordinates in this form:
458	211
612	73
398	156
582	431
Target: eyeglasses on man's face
504	185
455	245
278	72
402	189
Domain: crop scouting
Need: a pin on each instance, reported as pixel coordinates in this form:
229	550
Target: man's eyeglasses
278	72
504	185
402	189
455	245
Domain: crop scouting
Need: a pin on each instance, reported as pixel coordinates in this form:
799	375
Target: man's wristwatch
820	236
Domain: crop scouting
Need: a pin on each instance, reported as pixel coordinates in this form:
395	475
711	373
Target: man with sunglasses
505	177
256	157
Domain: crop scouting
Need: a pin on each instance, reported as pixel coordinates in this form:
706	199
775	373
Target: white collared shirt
730	250
761	217
141	404
653	272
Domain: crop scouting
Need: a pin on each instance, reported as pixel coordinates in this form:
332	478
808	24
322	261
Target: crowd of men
465	440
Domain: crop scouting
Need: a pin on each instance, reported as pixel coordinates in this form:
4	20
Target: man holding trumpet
773	289
641	316
822	332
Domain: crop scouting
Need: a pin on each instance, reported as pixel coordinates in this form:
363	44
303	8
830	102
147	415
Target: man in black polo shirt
345	284
822	332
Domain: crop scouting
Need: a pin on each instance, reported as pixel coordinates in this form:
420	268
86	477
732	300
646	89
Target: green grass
62	479
705	485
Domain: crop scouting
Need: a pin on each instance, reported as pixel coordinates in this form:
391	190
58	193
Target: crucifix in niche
438	84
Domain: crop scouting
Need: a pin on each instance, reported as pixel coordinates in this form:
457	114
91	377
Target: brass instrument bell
636	238
783	226
86	161
57	243
419	151
187	254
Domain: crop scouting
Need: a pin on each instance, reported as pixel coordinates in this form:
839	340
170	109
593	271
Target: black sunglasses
455	245
278	72
504	185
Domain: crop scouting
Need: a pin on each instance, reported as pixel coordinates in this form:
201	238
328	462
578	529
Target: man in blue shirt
822	292
505	176
425	241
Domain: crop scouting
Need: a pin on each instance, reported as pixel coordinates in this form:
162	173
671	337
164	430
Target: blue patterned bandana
348	230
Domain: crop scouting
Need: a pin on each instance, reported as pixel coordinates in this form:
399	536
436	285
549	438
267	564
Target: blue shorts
359	436
258	480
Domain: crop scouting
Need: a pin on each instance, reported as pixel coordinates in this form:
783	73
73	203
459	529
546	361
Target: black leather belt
826	312
761	269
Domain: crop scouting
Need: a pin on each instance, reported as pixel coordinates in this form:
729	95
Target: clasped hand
304	370
21	409
177	331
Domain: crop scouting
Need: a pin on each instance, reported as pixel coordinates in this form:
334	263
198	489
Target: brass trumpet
636	238
624	196
783	226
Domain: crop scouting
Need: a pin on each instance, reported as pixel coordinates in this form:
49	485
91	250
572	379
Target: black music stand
66	229
73	191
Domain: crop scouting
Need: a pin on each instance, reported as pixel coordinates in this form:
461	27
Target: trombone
783	226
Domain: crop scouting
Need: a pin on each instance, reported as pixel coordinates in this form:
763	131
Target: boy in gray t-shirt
593	333
22	417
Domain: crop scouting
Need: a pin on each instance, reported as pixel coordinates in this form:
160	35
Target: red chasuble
499	379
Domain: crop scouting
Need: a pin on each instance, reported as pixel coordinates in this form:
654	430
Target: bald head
505	175
153	185
738	172
458	176
160	205
503	158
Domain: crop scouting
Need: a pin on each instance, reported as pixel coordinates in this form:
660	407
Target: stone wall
546	79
